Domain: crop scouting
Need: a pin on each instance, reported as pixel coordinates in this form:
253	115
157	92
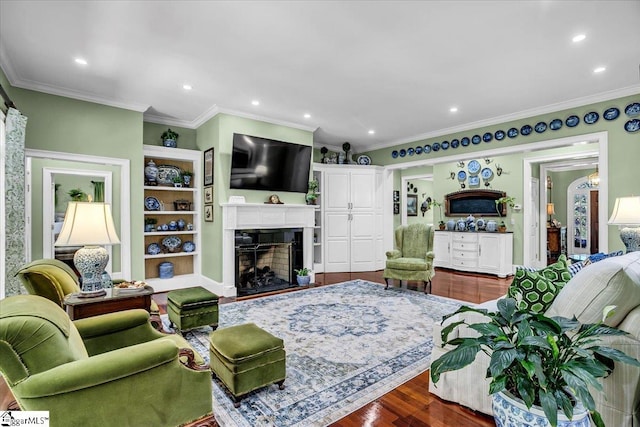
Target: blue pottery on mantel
171	143
165	270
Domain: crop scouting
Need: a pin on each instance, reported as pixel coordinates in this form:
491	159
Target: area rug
346	344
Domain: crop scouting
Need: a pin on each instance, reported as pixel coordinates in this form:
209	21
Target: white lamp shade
87	223
551	209
626	211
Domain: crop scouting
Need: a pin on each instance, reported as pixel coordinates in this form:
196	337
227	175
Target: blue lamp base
90	261
631	238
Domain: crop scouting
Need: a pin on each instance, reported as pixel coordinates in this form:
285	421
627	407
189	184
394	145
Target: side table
115	300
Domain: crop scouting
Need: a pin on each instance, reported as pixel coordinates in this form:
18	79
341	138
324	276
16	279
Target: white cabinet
351	218
176	205
490	253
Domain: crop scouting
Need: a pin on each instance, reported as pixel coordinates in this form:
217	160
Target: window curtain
14	216
98	191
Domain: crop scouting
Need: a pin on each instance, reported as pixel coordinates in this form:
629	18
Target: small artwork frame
412	205
396	196
208	213
396	208
208	195
208	167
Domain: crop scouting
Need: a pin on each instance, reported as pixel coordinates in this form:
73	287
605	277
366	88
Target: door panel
336	194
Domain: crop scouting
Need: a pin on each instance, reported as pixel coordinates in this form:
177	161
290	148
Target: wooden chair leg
427	287
386	280
280	384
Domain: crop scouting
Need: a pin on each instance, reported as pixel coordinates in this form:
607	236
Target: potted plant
186	178
150	224
303	276
536	360
77	195
312	193
506	201
177	181
433	203
169	138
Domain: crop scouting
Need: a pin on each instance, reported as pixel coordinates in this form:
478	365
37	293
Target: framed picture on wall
396	196
208	213
396	208
412	205
208	167
208	194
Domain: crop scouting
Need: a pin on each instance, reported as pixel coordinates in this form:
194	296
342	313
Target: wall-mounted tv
270	165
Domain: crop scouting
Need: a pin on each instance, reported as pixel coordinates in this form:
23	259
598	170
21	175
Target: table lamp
551	210
626	212
89	224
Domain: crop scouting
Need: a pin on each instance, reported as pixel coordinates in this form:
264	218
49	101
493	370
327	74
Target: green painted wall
624	150
151	133
218	133
561	181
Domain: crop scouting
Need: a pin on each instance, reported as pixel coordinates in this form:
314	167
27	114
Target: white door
363	242
362	189
442	249
534	230
337	245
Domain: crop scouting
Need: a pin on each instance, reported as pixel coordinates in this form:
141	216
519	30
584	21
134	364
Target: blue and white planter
511	412
303	280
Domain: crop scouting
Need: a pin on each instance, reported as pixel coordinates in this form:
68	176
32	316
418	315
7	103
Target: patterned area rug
346	345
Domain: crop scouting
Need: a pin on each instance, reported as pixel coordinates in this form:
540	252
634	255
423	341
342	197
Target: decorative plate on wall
512	133
632	125
591	118
444	145
486	173
633	109
487	137
476	139
474	180
611	113
455	143
435	146
540	127
403	152
419	150
411	151
362	160
572	121
427	148
473	167
394	154
526	130
555	124
462	175
499	135
465	141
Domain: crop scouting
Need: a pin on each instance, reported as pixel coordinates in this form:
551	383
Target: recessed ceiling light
599	69
578	38
255	102
307	116
371	132
453	109
81	61
187	87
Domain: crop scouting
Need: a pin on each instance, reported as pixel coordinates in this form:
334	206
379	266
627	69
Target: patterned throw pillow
538	289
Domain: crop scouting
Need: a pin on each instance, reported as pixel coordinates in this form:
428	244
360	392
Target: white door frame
125	199
535	224
403	193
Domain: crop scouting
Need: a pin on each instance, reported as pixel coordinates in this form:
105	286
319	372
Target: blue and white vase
461	225
492	226
171	143
181	224
151	173
173	226
165	270
451	225
508	411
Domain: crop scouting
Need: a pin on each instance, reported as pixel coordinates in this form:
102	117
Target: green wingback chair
412	258
113	369
54	280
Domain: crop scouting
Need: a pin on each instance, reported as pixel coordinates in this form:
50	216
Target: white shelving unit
187	265
318	262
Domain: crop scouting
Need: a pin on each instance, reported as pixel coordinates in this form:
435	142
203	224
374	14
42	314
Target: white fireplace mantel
244	216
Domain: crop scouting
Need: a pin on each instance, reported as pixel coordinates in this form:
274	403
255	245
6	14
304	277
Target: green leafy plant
150	221
177	179
169	134
550	362
439	205
506	200
77	195
312	193
304	271
187	173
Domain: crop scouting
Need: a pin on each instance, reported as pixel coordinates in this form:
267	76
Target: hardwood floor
411	404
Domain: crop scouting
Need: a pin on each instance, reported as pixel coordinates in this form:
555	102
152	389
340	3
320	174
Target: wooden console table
114	300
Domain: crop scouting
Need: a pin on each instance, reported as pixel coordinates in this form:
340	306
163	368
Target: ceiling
393	67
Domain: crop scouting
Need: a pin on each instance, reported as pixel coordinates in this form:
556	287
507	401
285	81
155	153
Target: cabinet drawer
466	246
465	262
465	237
465	254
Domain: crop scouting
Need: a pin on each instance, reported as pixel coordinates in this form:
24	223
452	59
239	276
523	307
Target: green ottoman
246	358
192	307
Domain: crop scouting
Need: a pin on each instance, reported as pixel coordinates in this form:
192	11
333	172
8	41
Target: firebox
266	259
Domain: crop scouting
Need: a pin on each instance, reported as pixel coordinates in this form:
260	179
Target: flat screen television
270	165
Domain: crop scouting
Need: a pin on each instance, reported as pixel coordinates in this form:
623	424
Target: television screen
270	165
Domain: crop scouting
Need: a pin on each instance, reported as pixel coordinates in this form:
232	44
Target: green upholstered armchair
412	259
113	369
54	280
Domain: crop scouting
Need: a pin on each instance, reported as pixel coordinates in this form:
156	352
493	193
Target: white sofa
613	281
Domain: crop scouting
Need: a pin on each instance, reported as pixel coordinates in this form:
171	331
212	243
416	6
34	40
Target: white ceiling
392	66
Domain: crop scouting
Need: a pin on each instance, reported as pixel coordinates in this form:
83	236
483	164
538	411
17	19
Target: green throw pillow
538	289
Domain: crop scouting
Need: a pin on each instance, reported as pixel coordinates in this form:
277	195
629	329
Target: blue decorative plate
487	137
419	150
151	203
555	124
474	180
540	127
475	139
499	135
166	174
364	160
455	143
486	173
172	243
154	249
572	121
526	130
188	246
435	146
473	167
591	118
632	125
465	141
512	133
444	145
427	148
462	175
611	113
394	154
411	151
633	109
403	152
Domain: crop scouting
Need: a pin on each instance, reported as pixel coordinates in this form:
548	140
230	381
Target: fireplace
261	230
266	259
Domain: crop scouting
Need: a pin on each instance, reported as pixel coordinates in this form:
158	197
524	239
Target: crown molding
6	66
551	108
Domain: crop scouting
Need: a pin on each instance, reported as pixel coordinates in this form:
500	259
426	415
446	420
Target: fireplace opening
266	259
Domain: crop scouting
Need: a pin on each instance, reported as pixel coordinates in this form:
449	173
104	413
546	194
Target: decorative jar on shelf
165	270
492	226
181	224
151	173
